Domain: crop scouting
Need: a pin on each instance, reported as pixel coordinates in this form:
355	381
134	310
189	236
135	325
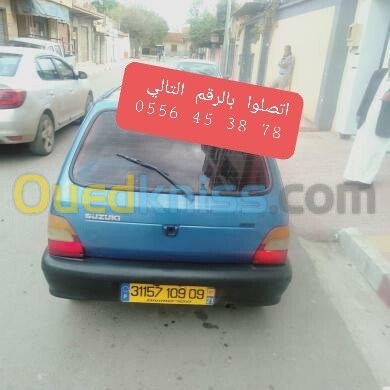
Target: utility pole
226	38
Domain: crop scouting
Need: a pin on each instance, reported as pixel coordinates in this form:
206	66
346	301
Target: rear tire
88	103
44	140
88	106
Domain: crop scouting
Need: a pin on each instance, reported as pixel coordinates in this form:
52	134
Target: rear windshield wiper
155	169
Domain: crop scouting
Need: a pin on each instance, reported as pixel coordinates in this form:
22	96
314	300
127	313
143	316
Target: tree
104	6
221	12
195	9
158	28
145	27
201	28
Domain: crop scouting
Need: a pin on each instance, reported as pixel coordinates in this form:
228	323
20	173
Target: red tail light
11	98
63	240
273	249
66	249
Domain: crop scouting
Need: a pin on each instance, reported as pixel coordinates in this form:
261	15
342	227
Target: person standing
373	137
285	71
160	53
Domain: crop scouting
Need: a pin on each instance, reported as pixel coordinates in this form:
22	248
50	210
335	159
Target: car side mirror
82	75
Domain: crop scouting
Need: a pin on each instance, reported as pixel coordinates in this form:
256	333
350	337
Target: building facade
73	23
111	44
177	44
8	23
369	49
83	16
44	20
337	46
317	31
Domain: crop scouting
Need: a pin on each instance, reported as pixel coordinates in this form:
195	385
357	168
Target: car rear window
187	164
199	67
9	64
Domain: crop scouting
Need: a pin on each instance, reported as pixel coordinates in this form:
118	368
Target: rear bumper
100	279
15	128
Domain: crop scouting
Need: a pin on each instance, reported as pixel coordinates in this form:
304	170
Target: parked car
39	94
207	68
42	44
193	225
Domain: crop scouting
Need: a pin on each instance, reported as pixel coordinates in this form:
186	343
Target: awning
43	8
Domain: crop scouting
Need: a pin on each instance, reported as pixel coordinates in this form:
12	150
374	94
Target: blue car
142	219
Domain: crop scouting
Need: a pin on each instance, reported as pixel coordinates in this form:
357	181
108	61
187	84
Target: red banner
209	110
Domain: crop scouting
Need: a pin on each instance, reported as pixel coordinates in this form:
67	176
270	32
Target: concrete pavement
320	159
365	316
93	69
49	343
321	206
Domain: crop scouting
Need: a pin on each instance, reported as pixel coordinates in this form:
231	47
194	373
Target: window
9	64
46	69
65	71
186	163
40	26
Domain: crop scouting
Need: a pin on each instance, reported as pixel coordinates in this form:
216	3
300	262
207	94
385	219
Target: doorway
83	44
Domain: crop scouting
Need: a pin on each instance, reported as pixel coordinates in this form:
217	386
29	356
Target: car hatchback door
223	217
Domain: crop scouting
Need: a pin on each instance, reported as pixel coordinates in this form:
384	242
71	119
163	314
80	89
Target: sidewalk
320	158
317	168
93	69
307	125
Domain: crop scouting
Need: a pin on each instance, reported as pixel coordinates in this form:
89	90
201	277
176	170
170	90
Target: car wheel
44	140
88	106
88	103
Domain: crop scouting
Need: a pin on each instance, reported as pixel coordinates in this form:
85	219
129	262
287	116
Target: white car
42	44
37	44
204	67
39	94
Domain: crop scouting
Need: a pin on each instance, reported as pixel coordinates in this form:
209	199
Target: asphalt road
54	344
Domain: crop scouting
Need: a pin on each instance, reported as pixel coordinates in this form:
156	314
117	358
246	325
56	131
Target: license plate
167	294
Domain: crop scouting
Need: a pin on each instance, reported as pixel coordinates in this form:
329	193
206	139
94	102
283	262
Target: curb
371	264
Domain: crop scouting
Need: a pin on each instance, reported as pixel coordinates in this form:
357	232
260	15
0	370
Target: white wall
309	35
361	63
117	47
